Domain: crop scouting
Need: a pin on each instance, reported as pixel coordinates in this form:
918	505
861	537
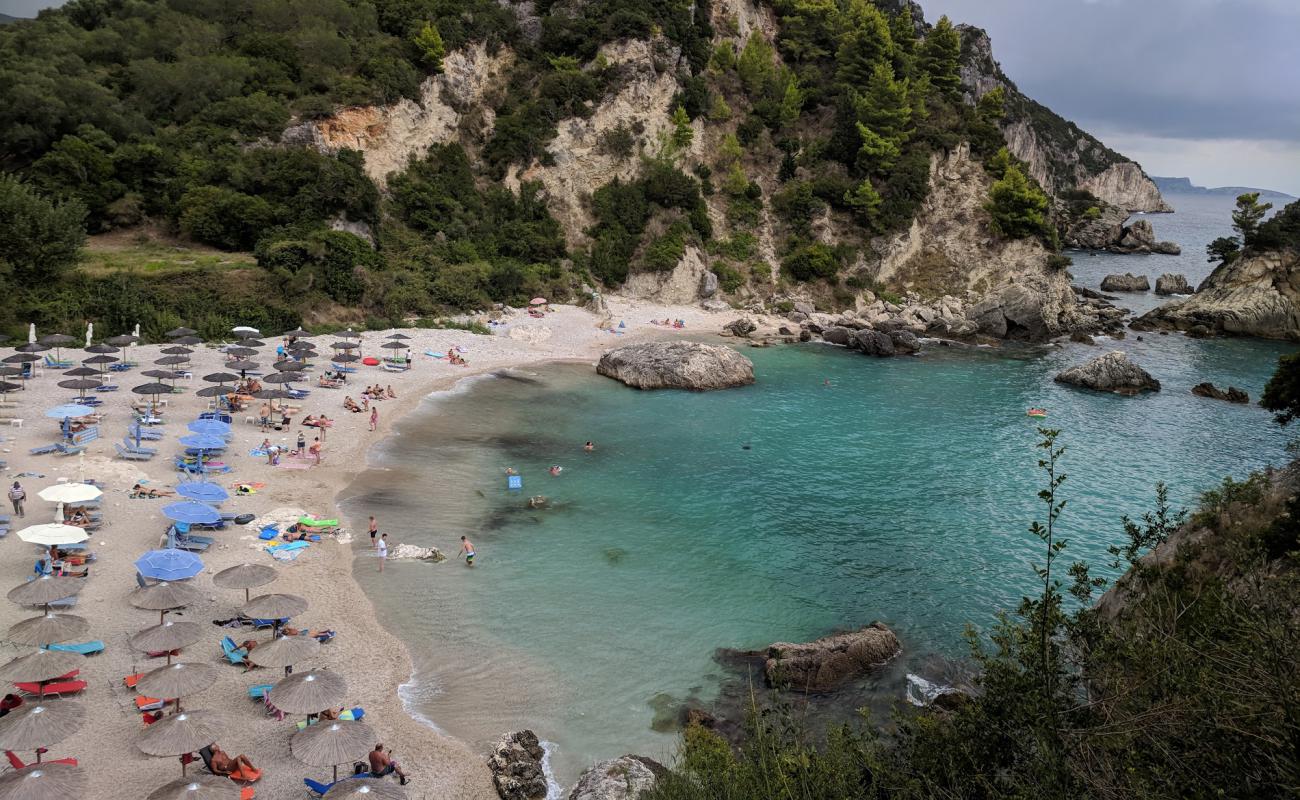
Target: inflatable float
317	523
370	361
1036	412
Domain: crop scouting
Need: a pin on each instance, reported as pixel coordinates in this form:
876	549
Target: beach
372	661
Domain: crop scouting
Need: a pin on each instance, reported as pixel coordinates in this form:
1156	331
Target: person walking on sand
16	496
382	547
314	450
374	531
302	444
374	418
467	550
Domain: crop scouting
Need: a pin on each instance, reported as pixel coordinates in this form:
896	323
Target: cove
780	511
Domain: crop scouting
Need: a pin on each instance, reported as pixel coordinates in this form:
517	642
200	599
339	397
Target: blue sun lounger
85	648
234	653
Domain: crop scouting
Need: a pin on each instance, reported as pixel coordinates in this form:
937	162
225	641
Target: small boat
1036	412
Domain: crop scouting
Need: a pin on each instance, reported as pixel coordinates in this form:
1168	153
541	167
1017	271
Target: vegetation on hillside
117	113
1184	682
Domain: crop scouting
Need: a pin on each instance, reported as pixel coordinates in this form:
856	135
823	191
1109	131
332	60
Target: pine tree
683	134
1246	218
885	107
939	56
902	32
429	42
756	65
865	200
864	46
1019	208
729	152
791	100
877	154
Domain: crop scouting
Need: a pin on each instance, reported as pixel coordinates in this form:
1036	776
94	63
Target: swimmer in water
511	471
589	446
537	501
555	470
467	550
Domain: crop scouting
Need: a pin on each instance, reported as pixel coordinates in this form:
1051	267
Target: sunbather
9	703
315	634
223	764
390	393
141	491
351	405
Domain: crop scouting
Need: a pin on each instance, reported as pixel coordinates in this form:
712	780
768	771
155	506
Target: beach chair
85	648
131	455
191	545
226	418
106	387
53	363
237	776
44	449
351	715
130	446
55	688
259	691
136	431
17	763
233	652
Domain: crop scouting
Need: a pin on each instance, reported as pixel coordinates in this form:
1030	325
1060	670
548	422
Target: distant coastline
1185	186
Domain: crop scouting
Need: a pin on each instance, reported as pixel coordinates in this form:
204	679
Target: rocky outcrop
622	778
389	135
1128	282
1140	237
831	661
950	250
681	285
872	343
1112	372
741	327
677	365
1060	155
1256	295
1232	395
1173	283
516	767
1098	232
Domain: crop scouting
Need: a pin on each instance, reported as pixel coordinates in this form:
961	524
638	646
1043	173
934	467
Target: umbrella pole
336	773
38	755
246	596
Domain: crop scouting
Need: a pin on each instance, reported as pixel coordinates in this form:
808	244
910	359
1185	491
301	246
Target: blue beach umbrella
191	513
69	410
202	441
210	427
203	492
169	565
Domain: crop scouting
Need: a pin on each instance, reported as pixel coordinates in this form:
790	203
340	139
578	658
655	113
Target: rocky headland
1255	295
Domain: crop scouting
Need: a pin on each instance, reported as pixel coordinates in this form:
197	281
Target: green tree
877	153
865	46
1282	392
756	65
1223	250
429	44
939	56
1247	217
884	106
902	32
864	200
1019	208
683	134
39	239
730	152
792	98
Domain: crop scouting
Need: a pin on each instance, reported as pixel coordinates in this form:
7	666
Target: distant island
5	19
1185	186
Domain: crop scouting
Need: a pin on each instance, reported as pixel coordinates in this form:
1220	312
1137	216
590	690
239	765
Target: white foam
921	692
553	789
406	693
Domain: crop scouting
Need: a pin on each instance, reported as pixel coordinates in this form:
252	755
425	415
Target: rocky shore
1256	295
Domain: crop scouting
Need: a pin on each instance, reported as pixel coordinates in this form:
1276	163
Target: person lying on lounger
223	764
315	634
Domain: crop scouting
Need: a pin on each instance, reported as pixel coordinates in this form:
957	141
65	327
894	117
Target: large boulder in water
516	767
1232	395
1112	372
831	661
677	365
622	778
1173	283
873	343
1128	282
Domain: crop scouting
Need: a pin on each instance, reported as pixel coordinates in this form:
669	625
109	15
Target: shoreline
373	661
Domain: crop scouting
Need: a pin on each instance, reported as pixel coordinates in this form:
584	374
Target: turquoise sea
899	492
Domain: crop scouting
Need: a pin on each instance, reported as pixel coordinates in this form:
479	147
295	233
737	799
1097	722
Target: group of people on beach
379	543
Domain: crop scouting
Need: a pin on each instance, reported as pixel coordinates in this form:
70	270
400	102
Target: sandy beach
371	660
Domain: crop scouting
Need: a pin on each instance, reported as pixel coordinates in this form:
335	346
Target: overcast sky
1207	89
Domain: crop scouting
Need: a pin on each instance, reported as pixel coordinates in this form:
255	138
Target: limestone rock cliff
1257	295
1060	154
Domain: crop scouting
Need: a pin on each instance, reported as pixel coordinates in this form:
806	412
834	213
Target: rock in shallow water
622	778
1233	395
516	767
677	365
831	661
1128	282
1112	372
1173	283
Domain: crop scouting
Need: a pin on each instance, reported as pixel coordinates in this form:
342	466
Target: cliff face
1060	155
1257	295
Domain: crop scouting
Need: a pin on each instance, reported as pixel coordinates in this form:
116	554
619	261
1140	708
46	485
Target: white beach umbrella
90	332
64	493
53	533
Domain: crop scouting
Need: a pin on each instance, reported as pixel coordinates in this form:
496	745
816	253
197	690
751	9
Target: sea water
835	491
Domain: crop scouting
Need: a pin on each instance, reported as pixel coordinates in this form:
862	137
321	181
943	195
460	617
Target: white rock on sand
372	661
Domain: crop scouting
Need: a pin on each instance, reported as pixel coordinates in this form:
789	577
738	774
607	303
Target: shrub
39	239
812	261
663	254
223	217
729	278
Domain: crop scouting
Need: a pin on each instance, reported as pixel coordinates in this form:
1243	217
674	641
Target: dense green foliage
39	239
1185	683
1254	233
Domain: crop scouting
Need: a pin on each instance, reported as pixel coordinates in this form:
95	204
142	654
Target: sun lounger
85	648
130	446
131	455
238	775
57	689
144	433
17	763
193	546
259	691
43	449
69	449
54	363
351	715
234	653
264	623
106	387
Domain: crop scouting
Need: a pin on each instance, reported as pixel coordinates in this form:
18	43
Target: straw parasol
45	590
122	341
36	725
220	377
163	597
213	391
308	692
330	743
245	576
176	350
274	606
198	787
168	635
180	734
243	365
43	665
171	361
48	628
176	333
398	336
80	372
177	680
46	782
284	652
188	340
367	789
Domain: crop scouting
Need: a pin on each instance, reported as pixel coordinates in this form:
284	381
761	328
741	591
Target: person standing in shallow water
382	546
374	418
374	531
467	550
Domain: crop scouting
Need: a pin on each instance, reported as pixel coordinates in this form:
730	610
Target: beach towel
432	354
286	546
